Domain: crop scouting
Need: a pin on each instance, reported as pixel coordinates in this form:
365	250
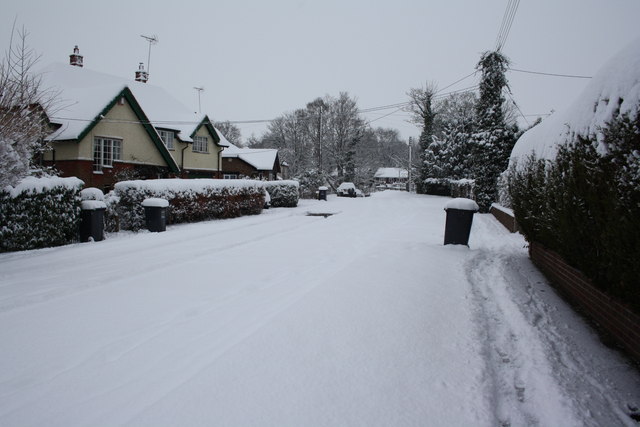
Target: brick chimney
141	74
75	59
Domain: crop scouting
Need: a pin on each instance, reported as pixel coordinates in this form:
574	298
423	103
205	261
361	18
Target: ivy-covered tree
493	138
421	108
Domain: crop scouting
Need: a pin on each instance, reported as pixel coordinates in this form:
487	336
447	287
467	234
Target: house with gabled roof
105	126
258	163
391	176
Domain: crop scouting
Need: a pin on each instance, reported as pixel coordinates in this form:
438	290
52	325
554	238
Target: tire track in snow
520	378
82	254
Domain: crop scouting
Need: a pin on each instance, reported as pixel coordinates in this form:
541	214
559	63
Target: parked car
347	189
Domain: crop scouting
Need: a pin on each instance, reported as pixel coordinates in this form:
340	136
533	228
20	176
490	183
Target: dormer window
167	138
200	144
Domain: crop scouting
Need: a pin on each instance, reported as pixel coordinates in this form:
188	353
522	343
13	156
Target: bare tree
230	131
24	105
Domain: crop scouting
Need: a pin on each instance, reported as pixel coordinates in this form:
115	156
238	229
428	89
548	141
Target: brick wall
611	317
505	218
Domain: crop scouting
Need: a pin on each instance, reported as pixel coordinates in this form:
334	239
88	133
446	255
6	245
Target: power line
457	81
550	74
386	115
158	123
507	22
514	103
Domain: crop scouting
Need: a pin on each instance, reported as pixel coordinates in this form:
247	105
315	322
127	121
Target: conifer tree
493	139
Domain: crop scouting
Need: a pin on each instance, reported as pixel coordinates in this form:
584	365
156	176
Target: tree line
463	135
328	142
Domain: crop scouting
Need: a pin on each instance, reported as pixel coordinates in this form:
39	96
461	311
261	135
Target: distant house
387	176
107	126
258	163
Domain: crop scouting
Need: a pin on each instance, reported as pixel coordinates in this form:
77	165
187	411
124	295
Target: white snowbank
613	91
462	204
155	202
92	193
92	205
31	184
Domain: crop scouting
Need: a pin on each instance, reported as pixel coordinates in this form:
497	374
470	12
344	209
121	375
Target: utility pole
152	40
409	170
320	142
200	90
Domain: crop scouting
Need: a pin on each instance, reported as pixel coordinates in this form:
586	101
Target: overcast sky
259	59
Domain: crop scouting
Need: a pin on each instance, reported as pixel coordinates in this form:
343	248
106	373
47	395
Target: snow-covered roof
84	93
391	173
259	158
612	92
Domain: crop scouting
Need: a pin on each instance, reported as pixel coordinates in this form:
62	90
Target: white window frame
167	138
200	144
105	152
230	176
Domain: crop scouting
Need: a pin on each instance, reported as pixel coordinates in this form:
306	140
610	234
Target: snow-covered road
360	318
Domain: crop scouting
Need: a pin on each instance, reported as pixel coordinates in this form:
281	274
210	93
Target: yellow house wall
64	150
201	161
137	146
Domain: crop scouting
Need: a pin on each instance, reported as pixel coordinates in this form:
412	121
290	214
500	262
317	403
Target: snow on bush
92	193
190	200
39	212
284	194
450	187
574	179
111	216
612	93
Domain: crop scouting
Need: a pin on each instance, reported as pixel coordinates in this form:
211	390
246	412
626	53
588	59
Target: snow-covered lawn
283	319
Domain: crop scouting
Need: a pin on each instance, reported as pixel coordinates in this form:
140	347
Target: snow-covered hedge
284	194
190	200
585	205
39	213
449	187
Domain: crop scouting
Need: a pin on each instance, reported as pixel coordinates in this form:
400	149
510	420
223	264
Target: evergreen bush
585	206
39	213
284	194
190	200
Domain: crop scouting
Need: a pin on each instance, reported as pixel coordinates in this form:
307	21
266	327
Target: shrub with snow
39	213
111	216
284	194
450	187
574	179
190	200
586	206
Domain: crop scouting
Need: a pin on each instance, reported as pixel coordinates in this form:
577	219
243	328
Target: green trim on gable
207	123
144	121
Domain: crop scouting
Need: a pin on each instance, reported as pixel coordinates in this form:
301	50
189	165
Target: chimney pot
141	75
75	59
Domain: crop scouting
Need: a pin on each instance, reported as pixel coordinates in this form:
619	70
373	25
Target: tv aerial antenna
152	40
